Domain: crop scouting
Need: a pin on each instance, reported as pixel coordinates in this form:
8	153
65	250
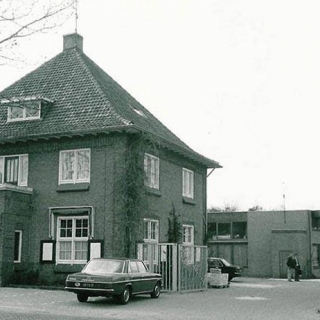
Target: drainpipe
310	245
206	210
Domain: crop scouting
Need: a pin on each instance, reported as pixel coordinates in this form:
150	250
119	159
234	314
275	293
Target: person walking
291	267
296	268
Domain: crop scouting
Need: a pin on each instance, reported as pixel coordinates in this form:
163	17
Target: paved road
246	298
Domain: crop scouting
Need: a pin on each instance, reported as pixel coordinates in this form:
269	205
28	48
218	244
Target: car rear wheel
125	296
82	297
156	291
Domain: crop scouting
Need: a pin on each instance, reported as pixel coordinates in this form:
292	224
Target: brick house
86	171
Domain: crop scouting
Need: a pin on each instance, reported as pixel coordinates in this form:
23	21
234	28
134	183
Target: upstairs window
227	230
239	230
151	169
25	110
26	107
315	220
187	183
212	231
14	170
224	230
74	166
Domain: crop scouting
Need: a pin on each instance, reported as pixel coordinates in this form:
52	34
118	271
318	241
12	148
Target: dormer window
30	110
25	108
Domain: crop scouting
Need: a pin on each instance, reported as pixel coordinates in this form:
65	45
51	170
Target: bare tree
22	19
256	208
228	207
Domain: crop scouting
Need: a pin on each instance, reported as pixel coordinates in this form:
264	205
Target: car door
147	279
135	276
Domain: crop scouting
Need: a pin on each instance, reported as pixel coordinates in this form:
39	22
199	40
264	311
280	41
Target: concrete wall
285	241
261	253
271	236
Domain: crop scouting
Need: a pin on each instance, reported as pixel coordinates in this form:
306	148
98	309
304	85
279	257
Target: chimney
73	40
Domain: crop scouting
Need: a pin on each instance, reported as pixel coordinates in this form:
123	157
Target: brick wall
108	169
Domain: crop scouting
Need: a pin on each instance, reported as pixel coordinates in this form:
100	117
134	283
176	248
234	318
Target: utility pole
284	204
76	16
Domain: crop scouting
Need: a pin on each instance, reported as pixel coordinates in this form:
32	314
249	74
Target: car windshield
225	262
104	266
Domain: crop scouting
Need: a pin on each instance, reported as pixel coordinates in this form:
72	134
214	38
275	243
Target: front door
283	256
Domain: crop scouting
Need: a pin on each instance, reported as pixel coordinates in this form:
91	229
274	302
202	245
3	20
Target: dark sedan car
118	278
225	267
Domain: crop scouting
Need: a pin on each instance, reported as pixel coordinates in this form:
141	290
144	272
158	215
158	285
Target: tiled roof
85	100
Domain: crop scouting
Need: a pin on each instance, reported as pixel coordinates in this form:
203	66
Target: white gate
183	268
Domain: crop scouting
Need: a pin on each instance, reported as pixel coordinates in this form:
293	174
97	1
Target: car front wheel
125	296
156	291
82	297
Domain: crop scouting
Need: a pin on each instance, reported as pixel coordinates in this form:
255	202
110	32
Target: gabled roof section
86	100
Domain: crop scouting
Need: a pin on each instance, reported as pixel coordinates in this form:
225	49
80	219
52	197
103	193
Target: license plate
88	285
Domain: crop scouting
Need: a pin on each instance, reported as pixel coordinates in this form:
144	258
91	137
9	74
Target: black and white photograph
159	159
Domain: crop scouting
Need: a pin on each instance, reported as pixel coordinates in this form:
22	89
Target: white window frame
74	180
19	245
24	108
188	244
187	183
153	240
73	239
188	229
151	169
22	171
315	256
149	223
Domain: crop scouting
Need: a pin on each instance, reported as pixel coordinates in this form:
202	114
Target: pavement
244	299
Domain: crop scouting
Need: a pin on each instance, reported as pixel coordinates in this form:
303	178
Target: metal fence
183	268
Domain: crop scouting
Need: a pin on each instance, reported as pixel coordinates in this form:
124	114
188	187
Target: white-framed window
188	242
72	239
26	110
151	236
17	246
14	169
151	169
188	234
74	166
151	230
187	183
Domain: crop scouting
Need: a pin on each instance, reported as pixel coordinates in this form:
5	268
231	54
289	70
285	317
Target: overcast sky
238	81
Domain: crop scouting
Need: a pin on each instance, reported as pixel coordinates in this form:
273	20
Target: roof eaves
188	153
73	133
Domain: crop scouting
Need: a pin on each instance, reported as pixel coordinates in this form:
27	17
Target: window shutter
23	170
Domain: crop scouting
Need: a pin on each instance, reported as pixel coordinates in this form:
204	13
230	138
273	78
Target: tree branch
26	29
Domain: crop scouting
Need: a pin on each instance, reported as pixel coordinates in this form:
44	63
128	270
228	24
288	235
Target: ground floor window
151	236
71	236
17	246
72	239
315	256
188	242
151	230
